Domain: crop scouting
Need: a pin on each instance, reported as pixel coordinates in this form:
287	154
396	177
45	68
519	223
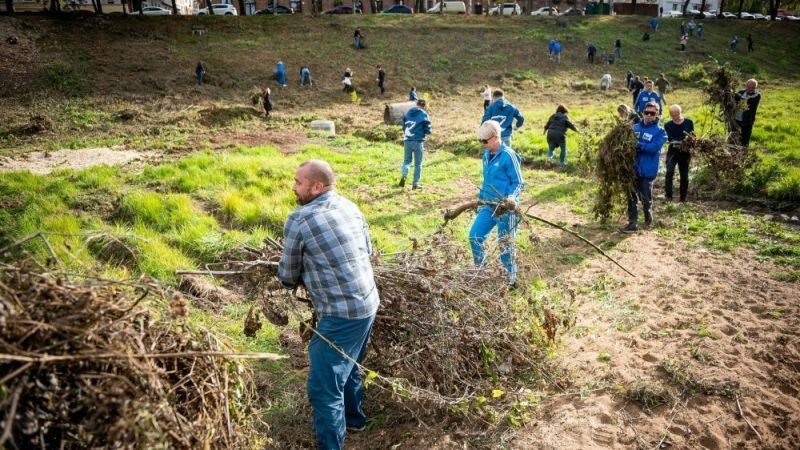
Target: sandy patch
42	163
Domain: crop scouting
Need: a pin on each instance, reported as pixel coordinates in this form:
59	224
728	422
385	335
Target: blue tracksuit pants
334	382
506	231
413	150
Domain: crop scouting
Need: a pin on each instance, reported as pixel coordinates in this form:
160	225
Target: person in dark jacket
556	129
628	80
636	87
381	79
412	94
651	137
745	118
265	99
357	38
618	49
416	128
305	76
749	42
591	50
678	129
200	73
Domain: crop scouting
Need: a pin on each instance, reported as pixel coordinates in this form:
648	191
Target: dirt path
42	163
694	330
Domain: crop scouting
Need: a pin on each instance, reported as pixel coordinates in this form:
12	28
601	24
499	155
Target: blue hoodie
503	112
648	149
416	125
646	97
502	175
556	47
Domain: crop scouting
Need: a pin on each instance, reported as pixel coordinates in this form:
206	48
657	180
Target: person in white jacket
487	96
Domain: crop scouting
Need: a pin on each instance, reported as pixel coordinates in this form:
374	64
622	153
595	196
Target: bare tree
685	7
703	6
55	6
741	5
721	8
528	6
174	7
210	9
774	6
633	6
242	9
98	6
9	7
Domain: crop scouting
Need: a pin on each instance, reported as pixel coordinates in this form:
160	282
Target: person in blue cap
505	114
502	184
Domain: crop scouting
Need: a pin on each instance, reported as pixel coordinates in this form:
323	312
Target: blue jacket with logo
504	113
646	97
416	125
502	175
648	148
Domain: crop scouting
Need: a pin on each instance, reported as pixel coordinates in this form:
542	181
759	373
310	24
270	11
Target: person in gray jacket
556	130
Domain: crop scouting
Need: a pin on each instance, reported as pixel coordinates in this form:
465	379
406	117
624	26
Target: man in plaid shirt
327	250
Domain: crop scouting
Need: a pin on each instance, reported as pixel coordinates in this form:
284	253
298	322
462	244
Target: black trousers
642	190
382	86
680	158
747	130
591	58
486	103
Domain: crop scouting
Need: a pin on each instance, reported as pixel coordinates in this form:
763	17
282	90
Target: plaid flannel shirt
327	249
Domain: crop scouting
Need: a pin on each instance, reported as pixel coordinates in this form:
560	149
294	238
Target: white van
450	8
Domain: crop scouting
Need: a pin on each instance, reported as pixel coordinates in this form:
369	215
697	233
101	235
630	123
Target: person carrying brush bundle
678	129
327	250
502	184
650	138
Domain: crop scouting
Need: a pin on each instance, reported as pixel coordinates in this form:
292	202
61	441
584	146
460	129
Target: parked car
280	10
449	8
572	12
673	14
154	11
545	11
693	13
747	16
791	18
399	9
341	9
219	10
728	15
506	9
758	16
709	14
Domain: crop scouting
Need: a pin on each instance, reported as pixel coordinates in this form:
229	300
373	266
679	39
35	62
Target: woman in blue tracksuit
502	182
650	138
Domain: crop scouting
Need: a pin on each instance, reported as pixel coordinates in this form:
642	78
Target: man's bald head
317	170
313	178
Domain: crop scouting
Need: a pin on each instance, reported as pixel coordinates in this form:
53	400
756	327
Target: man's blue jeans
413	149
562	157
506	231
506	140
334	382
199	79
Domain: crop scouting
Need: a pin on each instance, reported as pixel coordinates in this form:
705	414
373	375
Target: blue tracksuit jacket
502	175
646	97
505	113
416	125
648	149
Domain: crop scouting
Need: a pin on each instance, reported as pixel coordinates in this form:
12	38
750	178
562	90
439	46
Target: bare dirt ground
713	335
42	163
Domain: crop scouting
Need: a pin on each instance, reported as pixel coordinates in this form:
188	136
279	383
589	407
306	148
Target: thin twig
97	356
741	413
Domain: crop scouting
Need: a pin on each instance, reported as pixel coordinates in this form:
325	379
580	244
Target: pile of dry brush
446	335
89	365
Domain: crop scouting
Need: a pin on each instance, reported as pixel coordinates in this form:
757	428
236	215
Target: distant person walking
557	51
305	76
504	113
487	96
412	94
747	117
357	39
347	81
556	129
654	24
605	82
280	73
690	27
734	43
678	129
381	79
618	49
628	80
550	45
749	43
591	50
266	101
684	40
682	29
662	84
700	32
200	73
636	87
416	128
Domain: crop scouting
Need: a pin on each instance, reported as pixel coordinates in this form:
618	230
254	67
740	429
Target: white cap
488	129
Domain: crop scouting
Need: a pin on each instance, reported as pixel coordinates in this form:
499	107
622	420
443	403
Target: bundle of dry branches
90	366
726	162
615	169
721	96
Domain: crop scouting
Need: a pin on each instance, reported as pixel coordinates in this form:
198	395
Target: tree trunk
774	6
174	7
55	6
9	7
210	9
685	7
242	10
633	6
274	7
741	5
528	7
98	6
721	8
703	6
125	8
